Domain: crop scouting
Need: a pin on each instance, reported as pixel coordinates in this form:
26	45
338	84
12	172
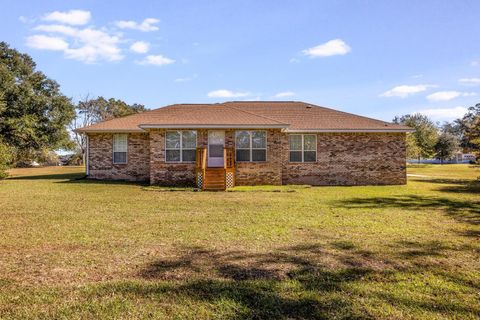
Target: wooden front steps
218	178
214	179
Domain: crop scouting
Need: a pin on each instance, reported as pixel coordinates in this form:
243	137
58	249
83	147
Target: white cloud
57	28
88	45
470	81
448	95
186	78
95	45
91	44
443	95
43	42
327	49
183	79
146	25
405	91
24	19
223	93
284	94
475	63
156	60
294	60
73	17
445	113
140	47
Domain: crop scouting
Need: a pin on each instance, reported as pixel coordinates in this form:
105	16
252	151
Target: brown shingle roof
291	115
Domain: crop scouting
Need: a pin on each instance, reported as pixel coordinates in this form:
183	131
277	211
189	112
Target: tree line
441	141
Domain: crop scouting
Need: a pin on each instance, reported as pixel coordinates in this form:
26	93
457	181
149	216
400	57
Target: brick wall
258	173
352	159
342	159
100	154
166	173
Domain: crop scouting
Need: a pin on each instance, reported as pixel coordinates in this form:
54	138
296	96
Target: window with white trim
251	146
120	147
303	147
180	146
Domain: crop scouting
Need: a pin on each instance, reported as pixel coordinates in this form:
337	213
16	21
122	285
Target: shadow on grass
307	281
76	178
454	185
53	176
85	180
462	210
413	249
469	187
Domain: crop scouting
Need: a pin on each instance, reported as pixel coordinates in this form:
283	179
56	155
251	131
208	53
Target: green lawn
76	249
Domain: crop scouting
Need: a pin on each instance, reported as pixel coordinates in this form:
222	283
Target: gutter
212	126
348	130
145	127
109	131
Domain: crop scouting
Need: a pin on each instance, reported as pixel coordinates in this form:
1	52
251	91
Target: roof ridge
344	112
263	101
255	114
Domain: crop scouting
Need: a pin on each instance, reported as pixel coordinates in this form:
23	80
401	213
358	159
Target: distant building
465	157
459	157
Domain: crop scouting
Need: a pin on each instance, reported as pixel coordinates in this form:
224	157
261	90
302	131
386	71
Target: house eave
110	131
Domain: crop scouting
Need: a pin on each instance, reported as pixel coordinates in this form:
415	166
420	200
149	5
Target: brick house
219	145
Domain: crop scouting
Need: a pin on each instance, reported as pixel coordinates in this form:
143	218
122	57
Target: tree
413	151
5	159
471	122
34	114
474	133
425	135
468	130
445	147
90	111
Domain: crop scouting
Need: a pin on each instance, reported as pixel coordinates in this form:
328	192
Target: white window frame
303	147
181	146
126	148
251	148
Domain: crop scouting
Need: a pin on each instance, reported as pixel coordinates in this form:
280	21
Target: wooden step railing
229	158
228	166
201	166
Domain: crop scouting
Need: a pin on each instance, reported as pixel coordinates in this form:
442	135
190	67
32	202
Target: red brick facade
342	159
100	158
352	159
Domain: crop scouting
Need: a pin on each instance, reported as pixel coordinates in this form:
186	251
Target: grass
74	248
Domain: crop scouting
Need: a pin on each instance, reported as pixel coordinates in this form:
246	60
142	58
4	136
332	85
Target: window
303	147
251	145
120	145
181	146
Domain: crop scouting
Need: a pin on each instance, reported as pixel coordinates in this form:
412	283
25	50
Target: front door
216	143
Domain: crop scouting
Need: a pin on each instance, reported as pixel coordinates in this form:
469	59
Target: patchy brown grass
73	248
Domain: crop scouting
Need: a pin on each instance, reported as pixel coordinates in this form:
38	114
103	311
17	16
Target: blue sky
375	58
